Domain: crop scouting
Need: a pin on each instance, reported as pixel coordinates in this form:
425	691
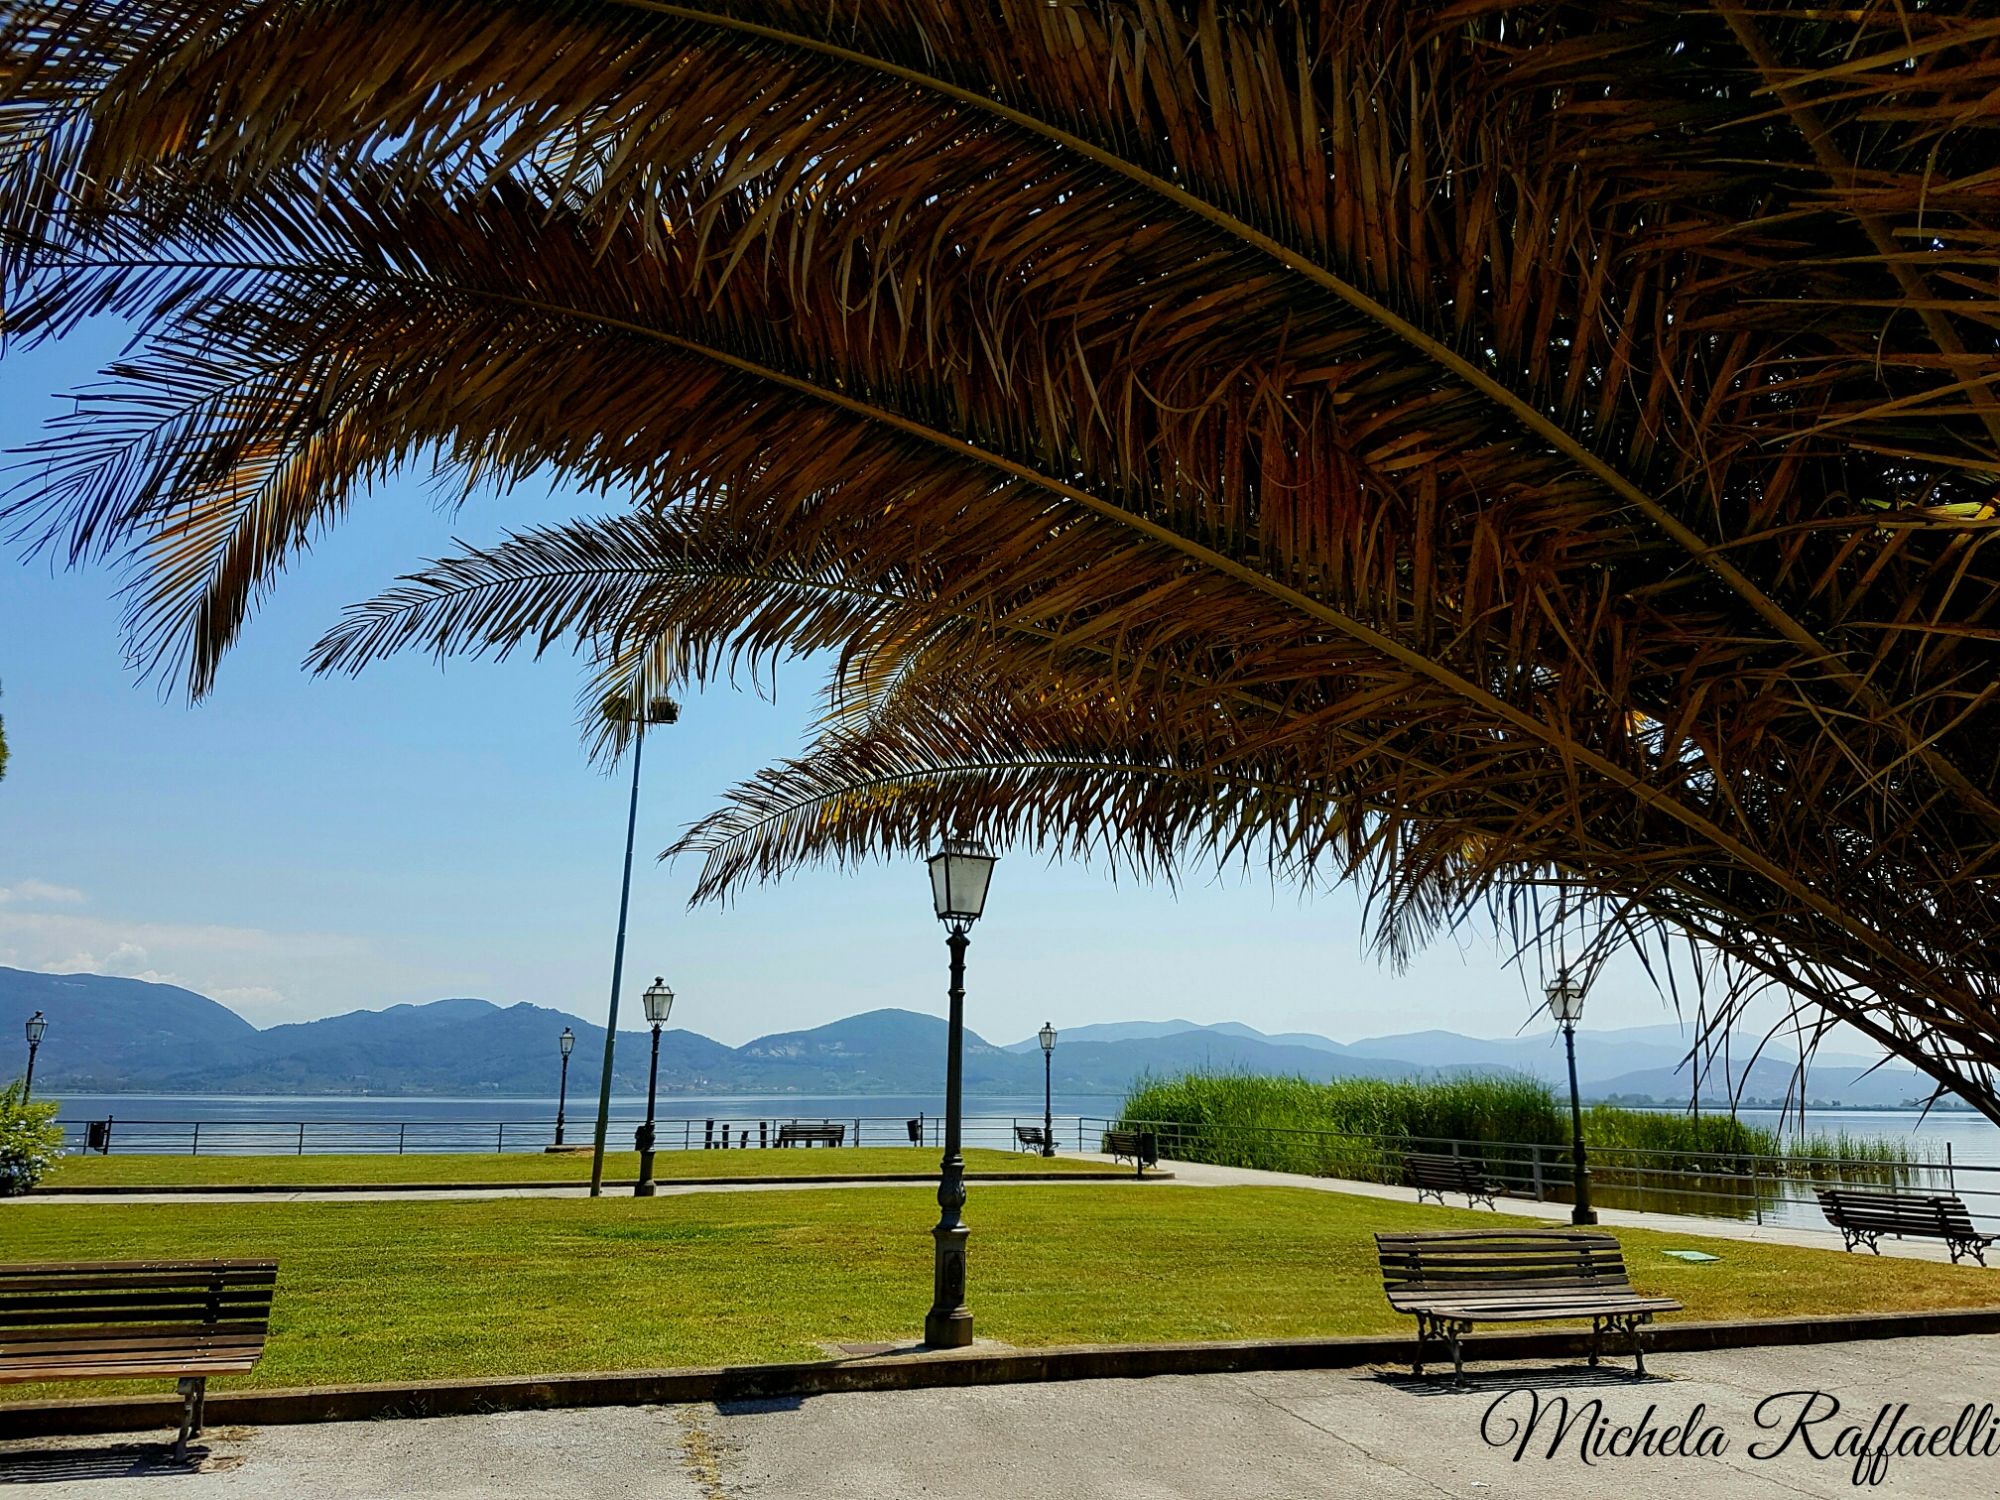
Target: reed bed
1516	1127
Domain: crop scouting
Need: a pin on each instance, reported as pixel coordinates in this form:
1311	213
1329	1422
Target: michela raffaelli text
1808	1426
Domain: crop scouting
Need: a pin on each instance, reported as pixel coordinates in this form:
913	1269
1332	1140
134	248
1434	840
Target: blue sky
297	847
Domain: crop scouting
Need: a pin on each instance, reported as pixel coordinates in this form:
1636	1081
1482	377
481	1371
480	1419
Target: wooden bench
1030	1138
1434	1176
1140	1147
133	1320
1864	1215
1452	1279
811	1135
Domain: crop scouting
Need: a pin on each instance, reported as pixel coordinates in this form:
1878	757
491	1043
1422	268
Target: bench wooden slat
110	1301
130	1320
1451	1279
1864	1215
137	1267
12	1286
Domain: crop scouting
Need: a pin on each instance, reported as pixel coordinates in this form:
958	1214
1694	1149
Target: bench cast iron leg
194	1395
1452	1332
1596	1339
1639	1348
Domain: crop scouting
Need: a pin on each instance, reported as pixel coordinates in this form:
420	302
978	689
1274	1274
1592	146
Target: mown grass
494	1167
388	1291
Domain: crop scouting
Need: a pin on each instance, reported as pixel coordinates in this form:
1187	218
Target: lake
232	1124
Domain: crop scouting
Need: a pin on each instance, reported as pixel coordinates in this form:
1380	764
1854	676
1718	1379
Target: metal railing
1717	1184
116	1135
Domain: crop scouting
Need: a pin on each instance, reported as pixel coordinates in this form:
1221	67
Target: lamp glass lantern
38	1025
1048	1037
659	1001
1566	1001
959	875
567	1041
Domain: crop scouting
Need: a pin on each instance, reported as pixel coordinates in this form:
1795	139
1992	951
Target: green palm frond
1484	449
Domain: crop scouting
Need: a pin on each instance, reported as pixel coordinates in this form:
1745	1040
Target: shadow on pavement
1517	1378
760	1406
121	1461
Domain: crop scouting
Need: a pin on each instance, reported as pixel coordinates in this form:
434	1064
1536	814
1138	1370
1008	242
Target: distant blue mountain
111	1035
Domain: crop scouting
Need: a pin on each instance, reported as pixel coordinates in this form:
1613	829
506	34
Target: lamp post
618	710
564	1044
1048	1037
959	875
659	1005
1566	1005
37	1025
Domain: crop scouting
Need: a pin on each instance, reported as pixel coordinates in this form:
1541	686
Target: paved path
1185	1174
1277	1436
1200	1174
667	1189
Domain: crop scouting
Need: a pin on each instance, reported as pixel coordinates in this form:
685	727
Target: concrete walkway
1200	1174
1267	1436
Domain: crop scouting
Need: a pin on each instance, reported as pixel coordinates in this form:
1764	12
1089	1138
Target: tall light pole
564	1044
1048	1039
959	875
619	710
37	1025
659	1005
1566	1005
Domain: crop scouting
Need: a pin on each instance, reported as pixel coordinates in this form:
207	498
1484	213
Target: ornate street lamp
564	1044
959	875
659	1005
617	711
1048	1037
1566	1005
37	1025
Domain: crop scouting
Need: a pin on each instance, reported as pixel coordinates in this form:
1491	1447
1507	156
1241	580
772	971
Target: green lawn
383	1291
525	1166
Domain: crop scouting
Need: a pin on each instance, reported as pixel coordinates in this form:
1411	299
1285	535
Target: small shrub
30	1140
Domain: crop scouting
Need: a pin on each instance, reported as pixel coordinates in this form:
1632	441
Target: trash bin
916	1129
97	1136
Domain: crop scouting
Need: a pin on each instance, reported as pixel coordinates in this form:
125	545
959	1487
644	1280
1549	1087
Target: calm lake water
220	1124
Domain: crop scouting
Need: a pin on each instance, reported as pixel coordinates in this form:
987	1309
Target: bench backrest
1500	1261
1141	1144
51	1308
1885	1208
1430	1170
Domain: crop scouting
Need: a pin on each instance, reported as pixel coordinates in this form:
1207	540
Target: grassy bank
523	1166
387	1291
1350	1127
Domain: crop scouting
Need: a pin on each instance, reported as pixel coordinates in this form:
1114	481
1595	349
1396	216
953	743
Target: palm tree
1495	449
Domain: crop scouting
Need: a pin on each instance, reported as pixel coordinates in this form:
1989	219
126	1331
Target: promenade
1265	1436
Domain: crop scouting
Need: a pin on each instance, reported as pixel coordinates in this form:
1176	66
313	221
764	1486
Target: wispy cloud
251	969
39	893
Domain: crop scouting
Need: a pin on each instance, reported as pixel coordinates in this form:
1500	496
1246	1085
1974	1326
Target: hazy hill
123	1035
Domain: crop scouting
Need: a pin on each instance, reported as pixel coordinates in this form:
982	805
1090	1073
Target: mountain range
110	1035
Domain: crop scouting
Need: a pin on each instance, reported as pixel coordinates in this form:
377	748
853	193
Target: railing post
401	1127
1756	1197
500	1139
1950	1171
1540	1193
302	1137
195	1149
